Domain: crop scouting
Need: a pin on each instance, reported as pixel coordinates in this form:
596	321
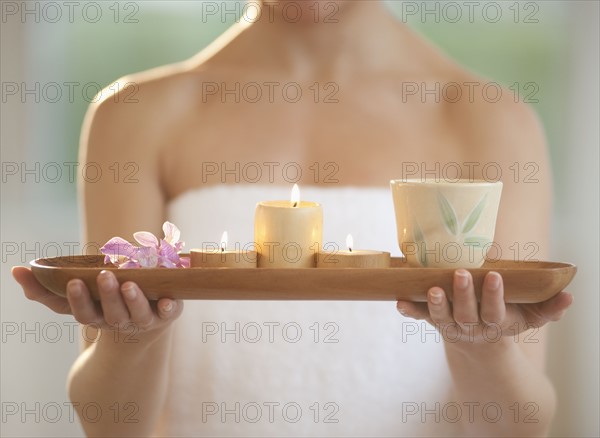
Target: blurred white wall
36	351
573	356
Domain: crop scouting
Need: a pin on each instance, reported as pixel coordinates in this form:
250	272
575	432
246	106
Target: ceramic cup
445	224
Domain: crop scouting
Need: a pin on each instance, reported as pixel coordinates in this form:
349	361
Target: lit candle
288	234
353	258
221	257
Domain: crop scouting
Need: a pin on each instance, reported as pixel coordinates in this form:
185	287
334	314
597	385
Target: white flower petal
145	238
171	231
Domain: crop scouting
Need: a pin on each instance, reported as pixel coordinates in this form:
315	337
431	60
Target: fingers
33	290
113	305
465	314
555	307
439	306
413	310
142	313
118	305
169	309
464	301
84	308
137	305
493	308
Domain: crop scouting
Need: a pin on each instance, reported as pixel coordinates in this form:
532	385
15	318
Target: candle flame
349	242
224	241
295	195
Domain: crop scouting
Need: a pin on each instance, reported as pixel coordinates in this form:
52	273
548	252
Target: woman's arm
125	370
506	372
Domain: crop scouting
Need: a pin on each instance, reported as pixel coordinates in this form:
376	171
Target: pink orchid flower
151	253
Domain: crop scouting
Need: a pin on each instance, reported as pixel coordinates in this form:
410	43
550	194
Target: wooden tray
524	282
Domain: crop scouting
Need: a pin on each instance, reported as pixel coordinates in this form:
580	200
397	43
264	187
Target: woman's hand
122	308
467	321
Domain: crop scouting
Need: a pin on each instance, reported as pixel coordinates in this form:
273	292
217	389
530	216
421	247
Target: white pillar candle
288	234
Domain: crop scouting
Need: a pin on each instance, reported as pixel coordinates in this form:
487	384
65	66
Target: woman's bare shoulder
146	93
164	91
493	117
140	110
484	113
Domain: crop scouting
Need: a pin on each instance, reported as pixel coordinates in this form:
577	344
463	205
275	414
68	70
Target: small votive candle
353	258
221	257
288	234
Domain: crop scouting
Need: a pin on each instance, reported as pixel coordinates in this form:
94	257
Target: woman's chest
347	143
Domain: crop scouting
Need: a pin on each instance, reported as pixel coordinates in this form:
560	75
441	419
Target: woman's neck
355	36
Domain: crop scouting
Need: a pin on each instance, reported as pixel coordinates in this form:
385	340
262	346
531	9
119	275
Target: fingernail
107	278
435	297
462	279
129	292
402	311
494	280
168	307
74	289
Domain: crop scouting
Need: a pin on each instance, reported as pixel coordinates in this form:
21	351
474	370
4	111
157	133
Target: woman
360	119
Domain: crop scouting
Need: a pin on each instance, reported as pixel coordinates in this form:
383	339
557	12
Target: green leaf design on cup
417	233
448	214
477	241
423	253
420	242
475	215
